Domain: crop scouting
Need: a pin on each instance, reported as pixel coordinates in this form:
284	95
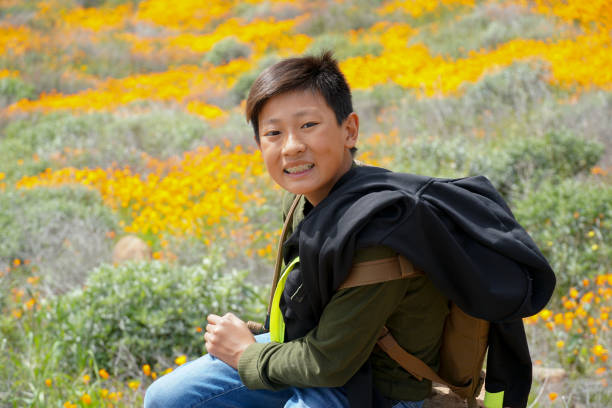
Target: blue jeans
209	382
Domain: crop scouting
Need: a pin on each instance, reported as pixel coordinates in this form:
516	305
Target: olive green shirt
330	354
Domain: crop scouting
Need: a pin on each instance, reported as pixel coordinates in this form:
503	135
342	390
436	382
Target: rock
552	374
130	248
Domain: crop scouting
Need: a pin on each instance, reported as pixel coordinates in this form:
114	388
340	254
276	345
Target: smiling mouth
298	169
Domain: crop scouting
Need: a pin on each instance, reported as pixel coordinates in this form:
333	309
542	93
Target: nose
293	144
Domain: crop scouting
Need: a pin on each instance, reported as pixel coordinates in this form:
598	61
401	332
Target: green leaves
147	311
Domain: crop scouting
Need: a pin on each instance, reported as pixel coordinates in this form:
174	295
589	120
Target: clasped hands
227	337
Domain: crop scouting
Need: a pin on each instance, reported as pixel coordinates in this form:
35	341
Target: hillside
126	117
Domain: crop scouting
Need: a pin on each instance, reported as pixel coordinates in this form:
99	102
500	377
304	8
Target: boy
305	127
304	124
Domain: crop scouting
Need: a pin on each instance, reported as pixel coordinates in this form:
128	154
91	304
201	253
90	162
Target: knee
153	396
160	395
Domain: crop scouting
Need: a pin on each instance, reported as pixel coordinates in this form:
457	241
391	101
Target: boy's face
304	149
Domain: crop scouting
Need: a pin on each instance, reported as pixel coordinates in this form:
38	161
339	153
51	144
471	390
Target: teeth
298	169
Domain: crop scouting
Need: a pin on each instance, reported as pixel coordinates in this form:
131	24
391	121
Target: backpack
464	338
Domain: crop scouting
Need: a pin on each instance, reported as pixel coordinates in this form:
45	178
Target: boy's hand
227	337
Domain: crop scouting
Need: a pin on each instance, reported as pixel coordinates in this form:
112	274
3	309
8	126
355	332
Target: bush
511	166
97	140
146	312
14	89
340	17
435	157
515	102
571	221
342	47
245	80
227	50
529	161
62	231
486	26
508	103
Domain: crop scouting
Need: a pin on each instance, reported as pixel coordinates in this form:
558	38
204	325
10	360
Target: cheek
270	159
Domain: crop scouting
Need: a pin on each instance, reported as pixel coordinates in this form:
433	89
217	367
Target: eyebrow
301	112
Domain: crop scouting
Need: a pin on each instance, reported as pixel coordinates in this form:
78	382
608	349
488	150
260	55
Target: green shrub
508	103
240	90
96	140
144	312
589	116
571	221
529	161
14	89
340	17
107	3
342	46
515	166
486	26
62	231
226	50
435	157
515	102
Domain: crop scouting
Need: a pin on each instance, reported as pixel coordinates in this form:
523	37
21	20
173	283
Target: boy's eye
309	124
272	133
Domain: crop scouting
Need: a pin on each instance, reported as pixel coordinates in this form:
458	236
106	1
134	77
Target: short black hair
319	74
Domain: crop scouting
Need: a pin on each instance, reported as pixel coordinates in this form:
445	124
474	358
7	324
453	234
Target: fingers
218	327
215	326
226	318
214	319
210	337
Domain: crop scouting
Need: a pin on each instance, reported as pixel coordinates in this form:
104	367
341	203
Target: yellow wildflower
545	314
573	293
599	350
103	374
86	399
180	360
33	280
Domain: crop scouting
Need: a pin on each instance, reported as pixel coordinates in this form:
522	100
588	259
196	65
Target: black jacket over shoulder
460	232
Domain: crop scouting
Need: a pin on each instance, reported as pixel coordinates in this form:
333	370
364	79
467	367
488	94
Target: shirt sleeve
331	353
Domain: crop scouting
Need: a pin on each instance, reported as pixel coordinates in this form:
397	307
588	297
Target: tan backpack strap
255	327
279	251
409	362
380	270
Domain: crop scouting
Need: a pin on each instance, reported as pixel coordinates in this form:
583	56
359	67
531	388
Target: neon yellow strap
494	399
277	324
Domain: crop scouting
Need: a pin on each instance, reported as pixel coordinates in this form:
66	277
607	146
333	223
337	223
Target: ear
351	127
